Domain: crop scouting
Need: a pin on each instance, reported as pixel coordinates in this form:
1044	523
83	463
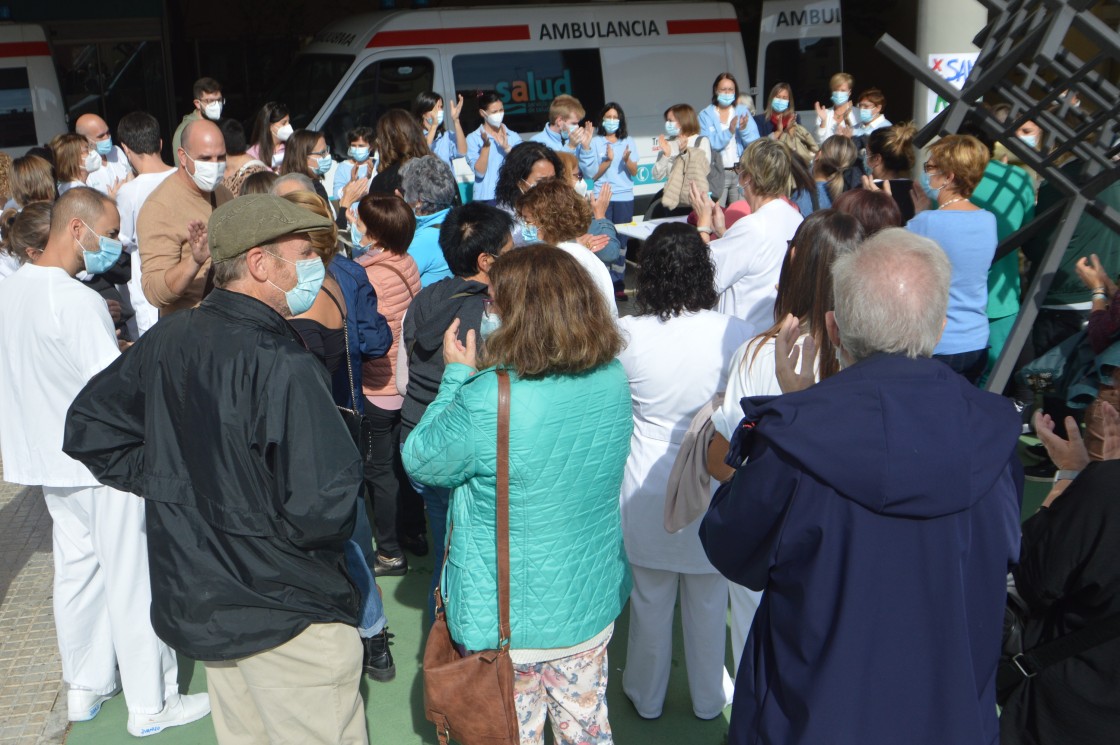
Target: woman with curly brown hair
676	359
553	213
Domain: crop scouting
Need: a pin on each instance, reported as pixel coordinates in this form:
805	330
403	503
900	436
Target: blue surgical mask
324	165
358	154
725	99
356	240
309	278
610	126
779	104
104	147
929	190
439	117
1030	141
491	322
102	260
529	233
866	115
672	129
839	98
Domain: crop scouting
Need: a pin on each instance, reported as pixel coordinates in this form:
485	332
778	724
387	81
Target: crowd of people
248	391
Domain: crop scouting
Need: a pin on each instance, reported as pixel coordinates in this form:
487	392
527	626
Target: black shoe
377	660
417	545
389	566
1043	471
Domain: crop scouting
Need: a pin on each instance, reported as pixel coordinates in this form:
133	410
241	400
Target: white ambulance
799	43
644	56
31	106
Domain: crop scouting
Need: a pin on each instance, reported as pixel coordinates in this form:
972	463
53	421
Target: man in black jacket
225	424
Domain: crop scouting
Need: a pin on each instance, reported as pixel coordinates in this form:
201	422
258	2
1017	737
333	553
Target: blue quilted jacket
569	441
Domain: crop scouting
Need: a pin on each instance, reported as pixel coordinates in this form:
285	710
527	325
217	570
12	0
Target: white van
644	56
31	108
799	43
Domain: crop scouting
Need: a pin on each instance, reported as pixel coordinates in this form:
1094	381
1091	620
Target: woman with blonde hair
569	435
32	181
74	160
890	159
833	168
23	235
955	164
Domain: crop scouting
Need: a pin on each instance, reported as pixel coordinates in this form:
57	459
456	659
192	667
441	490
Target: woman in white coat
676	360
804	296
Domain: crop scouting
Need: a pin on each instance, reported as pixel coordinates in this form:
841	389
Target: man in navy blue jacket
879	512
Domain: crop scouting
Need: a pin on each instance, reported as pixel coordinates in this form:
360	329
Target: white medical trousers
649	648
102	597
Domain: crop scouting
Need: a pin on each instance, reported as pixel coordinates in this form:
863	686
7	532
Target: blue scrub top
445	148
342	175
484	185
622	184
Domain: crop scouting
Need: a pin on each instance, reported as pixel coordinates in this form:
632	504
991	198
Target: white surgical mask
581	188
495	120
207	175
93	161
212	111
284	133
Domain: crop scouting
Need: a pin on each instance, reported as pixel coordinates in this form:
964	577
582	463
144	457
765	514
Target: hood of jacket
901	437
438	305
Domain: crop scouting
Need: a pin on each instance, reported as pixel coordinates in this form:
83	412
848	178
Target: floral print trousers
571	691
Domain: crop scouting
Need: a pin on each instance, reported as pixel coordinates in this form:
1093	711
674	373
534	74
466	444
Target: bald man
56	335
114	169
170	229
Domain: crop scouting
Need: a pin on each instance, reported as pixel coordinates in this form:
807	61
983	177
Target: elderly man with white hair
878	510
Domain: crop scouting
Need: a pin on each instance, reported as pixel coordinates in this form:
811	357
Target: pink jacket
396	280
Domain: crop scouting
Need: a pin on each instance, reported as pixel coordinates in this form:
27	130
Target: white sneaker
176	710
82	706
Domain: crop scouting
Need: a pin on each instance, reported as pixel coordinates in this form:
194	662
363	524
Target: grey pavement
30	670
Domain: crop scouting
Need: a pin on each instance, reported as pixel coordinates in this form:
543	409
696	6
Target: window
17	120
807	65
308	84
527	82
380	86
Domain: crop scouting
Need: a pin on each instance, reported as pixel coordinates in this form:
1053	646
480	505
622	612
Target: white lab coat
130	199
674	368
748	259
56	334
600	275
114	169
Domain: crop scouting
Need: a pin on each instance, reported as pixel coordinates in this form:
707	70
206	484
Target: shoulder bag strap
400	274
503	511
346	341
1034	661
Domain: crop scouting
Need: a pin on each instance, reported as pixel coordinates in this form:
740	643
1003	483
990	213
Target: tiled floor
30	672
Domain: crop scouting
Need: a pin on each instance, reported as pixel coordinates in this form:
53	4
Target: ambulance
31	106
799	43
644	56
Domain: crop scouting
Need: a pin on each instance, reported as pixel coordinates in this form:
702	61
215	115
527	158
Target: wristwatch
1063	475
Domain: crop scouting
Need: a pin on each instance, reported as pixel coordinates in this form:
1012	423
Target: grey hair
229	271
304	183
891	295
428	181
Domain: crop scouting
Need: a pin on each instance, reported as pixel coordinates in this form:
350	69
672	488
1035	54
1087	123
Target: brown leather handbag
469	697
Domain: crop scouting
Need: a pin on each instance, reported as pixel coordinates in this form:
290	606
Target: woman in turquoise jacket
570	426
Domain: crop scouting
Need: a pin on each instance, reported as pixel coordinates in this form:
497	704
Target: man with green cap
225	424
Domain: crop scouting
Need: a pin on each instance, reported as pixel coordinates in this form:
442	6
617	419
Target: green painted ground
395	710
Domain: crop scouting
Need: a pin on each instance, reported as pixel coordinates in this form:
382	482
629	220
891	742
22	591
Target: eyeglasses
205	101
322	153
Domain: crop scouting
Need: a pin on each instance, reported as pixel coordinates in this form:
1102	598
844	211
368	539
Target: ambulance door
388	80
799	44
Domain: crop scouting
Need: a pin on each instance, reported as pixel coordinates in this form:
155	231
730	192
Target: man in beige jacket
171	227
